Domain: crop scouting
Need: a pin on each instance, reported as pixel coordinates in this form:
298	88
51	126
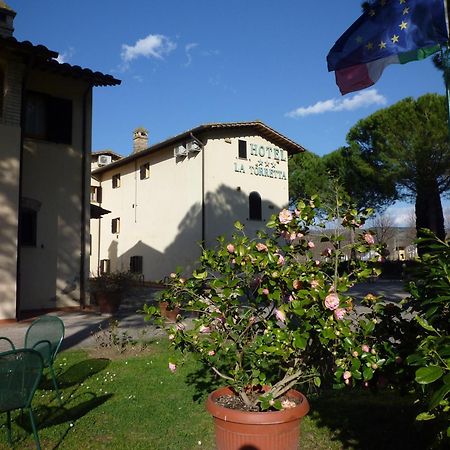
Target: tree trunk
429	210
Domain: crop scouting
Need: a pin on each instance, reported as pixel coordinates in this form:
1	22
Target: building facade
45	145
168	199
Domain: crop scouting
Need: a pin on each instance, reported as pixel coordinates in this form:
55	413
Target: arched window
254	205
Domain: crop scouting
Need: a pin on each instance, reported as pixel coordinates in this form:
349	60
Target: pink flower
230	248
299	235
297	212
261	247
171	337
327	252
290	298
347	375
265	291
369	239
297	284
173	275
280	315
204	329
339	313
180	326
311	244
281	260
317	262
172	367
365	348
315	284
285	216
211	353
332	301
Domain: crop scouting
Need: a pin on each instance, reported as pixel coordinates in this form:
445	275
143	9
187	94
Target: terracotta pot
169	314
108	302
244	430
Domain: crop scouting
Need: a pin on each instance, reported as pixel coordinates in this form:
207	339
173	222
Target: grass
134	402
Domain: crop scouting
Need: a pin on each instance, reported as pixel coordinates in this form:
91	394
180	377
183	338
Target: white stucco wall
52	175
9	199
161	217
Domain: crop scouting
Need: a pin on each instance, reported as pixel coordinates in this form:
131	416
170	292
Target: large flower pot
108	302
271	430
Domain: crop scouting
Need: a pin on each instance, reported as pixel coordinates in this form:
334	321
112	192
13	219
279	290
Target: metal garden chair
45	335
20	374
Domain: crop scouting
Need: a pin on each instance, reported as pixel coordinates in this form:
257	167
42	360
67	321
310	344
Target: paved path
81	325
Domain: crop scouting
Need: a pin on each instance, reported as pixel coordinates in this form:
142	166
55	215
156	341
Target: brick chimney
140	139
6	20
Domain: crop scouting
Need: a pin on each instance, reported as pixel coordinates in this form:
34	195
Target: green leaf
438	396
424	324
317	381
368	373
427	375
425	416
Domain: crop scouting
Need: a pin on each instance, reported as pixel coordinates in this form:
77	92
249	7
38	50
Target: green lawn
134	402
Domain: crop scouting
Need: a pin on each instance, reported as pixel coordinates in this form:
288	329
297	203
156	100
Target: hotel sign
266	165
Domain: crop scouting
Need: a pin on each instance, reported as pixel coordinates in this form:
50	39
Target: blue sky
187	62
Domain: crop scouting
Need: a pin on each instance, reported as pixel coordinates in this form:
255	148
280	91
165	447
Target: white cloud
65	57
359	100
188	49
152	46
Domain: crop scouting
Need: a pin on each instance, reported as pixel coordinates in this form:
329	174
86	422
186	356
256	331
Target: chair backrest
20	374
45	328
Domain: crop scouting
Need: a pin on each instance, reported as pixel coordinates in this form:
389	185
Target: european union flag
388	32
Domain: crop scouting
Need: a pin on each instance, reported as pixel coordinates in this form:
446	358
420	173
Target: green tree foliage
408	149
307	176
360	179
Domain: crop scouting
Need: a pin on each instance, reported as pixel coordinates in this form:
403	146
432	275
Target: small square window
145	171
105	266
116	181
136	264
96	194
115	226
242	149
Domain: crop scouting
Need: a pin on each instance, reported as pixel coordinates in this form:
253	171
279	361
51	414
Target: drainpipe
84	150
202	145
21	150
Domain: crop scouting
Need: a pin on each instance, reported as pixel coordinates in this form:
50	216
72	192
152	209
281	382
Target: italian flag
361	76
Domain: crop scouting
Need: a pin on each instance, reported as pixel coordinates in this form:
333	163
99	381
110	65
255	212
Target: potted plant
108	290
271	313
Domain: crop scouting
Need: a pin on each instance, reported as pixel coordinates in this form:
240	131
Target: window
242	149
28	227
254	203
48	118
115	226
96	194
145	171
116	181
136	264
105	266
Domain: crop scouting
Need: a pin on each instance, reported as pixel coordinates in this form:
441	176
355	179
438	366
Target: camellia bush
274	311
430	301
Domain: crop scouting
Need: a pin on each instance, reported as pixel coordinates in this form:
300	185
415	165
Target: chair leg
8	427
58	394
33	425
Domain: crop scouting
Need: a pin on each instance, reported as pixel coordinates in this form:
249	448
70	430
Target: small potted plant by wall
108	290
270	314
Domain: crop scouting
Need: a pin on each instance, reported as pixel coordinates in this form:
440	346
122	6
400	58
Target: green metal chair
45	335
20	374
